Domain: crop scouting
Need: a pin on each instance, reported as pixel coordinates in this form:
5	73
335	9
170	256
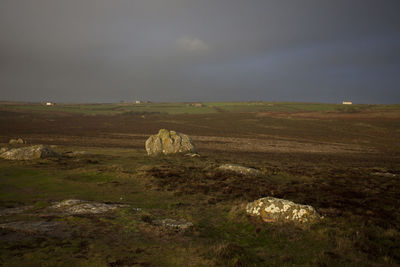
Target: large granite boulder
29	153
272	209
169	142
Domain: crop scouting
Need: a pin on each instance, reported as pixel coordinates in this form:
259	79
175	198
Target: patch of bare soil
268	144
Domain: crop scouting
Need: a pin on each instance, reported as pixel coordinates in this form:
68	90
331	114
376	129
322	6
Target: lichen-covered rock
29	153
79	207
239	169
180	225
272	209
169	142
18	141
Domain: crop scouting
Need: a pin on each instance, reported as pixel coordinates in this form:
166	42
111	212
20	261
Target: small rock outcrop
79	207
239	169
384	174
29	153
169	142
192	155
18	141
76	153
181	225
272	209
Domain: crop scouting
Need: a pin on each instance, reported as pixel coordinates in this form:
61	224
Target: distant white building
49	104
347	103
138	102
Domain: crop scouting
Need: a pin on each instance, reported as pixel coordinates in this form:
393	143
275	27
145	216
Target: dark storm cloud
187	50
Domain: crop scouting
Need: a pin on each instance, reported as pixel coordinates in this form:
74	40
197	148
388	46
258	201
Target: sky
200	50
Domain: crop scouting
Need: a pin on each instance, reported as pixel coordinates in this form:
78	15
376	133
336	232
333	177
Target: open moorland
344	160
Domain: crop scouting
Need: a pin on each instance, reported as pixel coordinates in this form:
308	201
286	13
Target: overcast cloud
192	44
208	50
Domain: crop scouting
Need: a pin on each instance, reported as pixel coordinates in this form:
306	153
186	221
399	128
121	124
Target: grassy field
342	160
189	108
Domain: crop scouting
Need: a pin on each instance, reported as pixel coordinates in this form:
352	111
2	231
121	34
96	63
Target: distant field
206	108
